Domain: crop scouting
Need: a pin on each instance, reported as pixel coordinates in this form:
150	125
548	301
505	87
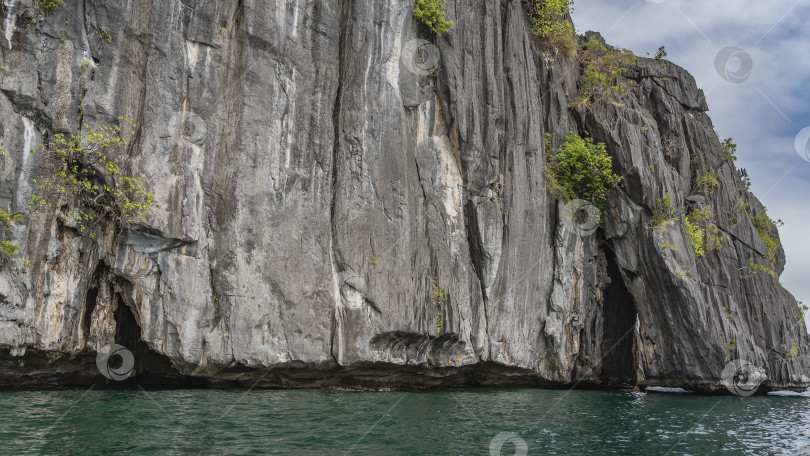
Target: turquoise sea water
463	422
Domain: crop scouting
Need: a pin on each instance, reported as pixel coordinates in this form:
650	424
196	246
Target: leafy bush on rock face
664	213
48	6
696	235
763	224
754	268
431	13
438	298
581	169
8	250
703	234
9	220
794	350
548	20
729	150
707	182
601	70
43	8
77	171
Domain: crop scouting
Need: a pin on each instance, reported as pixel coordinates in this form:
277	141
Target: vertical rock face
335	210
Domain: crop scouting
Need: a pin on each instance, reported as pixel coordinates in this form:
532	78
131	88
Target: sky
752	60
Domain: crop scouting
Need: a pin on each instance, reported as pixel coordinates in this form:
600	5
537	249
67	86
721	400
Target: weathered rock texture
313	184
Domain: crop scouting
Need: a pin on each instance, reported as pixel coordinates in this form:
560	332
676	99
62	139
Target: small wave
789	394
664	389
361	390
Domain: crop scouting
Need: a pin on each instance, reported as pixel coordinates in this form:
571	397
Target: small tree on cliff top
549	20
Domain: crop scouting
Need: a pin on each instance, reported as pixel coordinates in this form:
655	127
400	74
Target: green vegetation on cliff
438	298
47	6
662	214
77	171
431	13
581	169
8	250
548	20
601	70
703	233
764	226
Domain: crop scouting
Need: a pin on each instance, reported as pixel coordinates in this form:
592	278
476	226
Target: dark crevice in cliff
127	330
151	368
619	321
685	106
91	298
89	307
333	250
475	244
85	29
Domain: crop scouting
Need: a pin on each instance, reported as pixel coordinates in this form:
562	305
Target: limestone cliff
317	176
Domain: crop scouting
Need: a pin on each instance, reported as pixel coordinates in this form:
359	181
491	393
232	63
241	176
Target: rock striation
322	169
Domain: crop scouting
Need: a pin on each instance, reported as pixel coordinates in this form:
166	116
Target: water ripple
464	422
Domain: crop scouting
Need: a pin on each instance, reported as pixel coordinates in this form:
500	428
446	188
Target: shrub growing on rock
707	182
548	20
581	169
601	68
78	172
695	237
763	224
662	214
754	268
438	298
48	6
729	150
431	13
703	233
8	250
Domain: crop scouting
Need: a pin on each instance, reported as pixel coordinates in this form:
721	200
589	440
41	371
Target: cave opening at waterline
618	342
150	368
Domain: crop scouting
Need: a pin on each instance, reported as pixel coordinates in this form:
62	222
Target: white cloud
762	114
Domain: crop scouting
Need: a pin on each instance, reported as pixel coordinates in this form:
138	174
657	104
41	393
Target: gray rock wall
316	179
